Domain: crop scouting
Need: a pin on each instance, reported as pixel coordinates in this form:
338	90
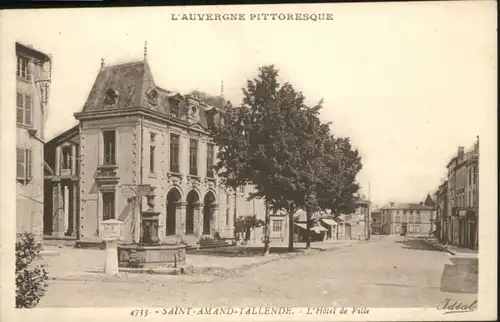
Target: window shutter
28	164
20	108
19	100
20	163
20	115
28	108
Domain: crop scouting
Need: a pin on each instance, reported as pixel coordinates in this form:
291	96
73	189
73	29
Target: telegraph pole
368	225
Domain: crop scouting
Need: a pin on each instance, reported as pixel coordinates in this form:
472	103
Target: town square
207	167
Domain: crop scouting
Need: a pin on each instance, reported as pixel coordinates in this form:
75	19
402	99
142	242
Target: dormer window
111	97
152	97
174	108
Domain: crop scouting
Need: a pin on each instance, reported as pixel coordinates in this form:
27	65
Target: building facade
32	86
142	147
376	224
463	198
442	219
61	209
407	218
359	221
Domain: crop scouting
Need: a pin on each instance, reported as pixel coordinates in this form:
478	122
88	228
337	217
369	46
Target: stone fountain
150	253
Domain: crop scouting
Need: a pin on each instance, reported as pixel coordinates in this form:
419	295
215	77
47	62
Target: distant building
32	86
409	218
376	223
359	221
462	198
442	219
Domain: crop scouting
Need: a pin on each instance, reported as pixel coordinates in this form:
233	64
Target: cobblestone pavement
384	272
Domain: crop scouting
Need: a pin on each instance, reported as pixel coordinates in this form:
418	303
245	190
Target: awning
329	222
303	226
319	229
316	229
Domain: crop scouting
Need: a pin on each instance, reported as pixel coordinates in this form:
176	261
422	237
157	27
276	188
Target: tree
340	187
261	141
278	143
245	224
31	280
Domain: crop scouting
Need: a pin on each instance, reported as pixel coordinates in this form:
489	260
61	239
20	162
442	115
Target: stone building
139	146
462	197
32	86
442	219
409	218
376	223
61	211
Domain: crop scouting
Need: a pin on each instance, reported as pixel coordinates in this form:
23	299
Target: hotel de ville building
136	139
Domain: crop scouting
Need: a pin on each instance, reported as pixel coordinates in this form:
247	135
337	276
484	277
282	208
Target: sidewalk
454	250
88	264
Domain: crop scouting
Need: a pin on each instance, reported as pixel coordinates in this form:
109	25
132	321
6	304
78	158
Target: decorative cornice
141	111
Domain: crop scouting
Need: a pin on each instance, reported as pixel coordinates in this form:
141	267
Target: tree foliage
278	143
244	225
31	279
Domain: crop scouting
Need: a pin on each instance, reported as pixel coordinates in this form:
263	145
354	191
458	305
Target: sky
407	82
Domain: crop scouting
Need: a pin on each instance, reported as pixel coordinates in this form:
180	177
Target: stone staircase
210	242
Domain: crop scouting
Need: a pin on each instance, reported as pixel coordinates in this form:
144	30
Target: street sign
110	230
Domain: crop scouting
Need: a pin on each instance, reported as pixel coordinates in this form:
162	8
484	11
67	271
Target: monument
149	252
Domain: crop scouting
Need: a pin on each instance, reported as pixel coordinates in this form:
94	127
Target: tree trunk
308	230
291	212
267	221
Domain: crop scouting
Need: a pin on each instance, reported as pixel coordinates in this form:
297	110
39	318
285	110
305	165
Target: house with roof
33	74
139	147
414	219
376	221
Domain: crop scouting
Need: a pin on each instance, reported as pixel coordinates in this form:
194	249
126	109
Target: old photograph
278	162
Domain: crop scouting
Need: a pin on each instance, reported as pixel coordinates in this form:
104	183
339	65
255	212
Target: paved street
383	272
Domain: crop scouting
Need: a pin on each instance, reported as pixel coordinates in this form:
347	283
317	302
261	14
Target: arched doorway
173	198
192	201
208	210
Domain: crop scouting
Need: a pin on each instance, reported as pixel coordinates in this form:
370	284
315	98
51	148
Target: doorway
173	198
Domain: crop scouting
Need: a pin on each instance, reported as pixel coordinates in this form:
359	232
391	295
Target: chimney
460	155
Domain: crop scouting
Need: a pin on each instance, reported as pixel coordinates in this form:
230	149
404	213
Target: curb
441	248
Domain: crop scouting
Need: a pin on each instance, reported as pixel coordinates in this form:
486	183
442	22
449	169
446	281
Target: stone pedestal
111	264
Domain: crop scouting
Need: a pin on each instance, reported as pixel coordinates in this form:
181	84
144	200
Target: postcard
249	163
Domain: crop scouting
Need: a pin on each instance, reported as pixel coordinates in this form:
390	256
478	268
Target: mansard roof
132	85
130	81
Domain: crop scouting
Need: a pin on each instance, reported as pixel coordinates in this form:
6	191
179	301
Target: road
384	272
